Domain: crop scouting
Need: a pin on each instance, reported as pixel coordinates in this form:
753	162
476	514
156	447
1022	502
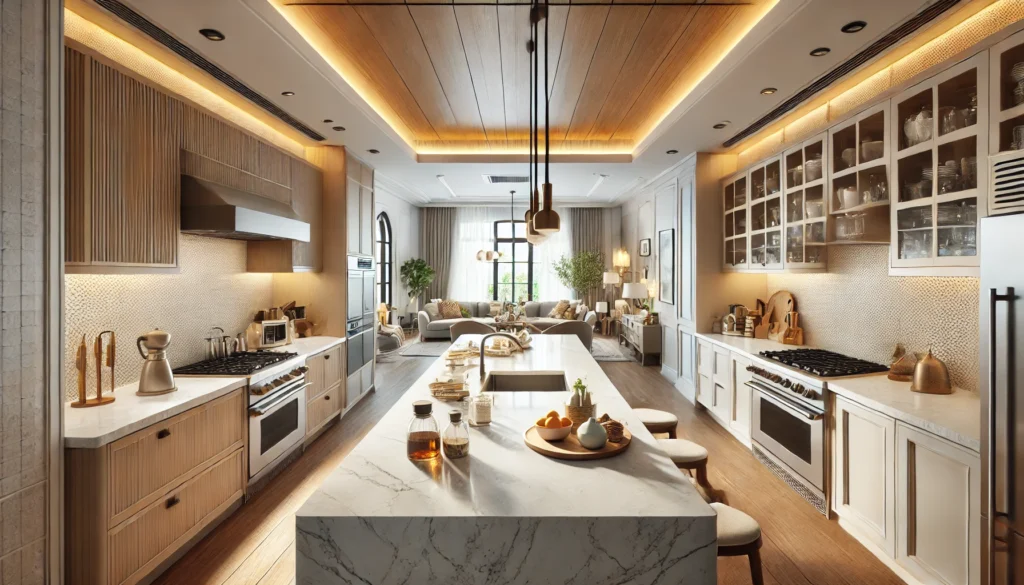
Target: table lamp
601	307
635	290
612	278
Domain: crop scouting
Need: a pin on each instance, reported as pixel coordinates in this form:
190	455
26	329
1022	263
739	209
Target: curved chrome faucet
482	345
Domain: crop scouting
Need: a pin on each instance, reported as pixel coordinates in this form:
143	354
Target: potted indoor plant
582	272
416	276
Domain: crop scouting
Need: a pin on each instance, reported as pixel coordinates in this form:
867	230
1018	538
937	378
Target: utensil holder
579	414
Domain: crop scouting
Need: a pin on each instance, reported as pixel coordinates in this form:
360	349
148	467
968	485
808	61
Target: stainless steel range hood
210	209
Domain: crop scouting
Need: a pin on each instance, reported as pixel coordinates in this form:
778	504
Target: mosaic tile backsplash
213	288
857	309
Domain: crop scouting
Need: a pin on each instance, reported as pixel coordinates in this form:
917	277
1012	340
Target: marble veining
956	417
506	514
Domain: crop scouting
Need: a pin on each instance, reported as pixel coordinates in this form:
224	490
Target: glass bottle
424	439
456	437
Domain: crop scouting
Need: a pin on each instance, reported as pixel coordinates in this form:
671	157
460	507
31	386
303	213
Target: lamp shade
634	290
601	307
611	278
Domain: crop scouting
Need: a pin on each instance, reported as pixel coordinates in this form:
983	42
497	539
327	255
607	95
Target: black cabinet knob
327	357
173	501
163	433
327	397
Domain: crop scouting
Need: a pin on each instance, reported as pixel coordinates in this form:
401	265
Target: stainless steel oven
277	420
788	431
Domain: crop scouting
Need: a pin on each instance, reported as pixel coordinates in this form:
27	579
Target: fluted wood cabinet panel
315	376
76	238
334	369
133	186
321	409
294	256
143	465
136	547
127	144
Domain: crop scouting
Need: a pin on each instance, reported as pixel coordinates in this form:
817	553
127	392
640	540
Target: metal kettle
156	375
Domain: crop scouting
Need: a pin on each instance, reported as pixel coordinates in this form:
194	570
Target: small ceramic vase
591	434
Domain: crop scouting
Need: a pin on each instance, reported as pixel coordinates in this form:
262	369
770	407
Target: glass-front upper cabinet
1006	117
765	213
939	172
734	229
805	214
858	185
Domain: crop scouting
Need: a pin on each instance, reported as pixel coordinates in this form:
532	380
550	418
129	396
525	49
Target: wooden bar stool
658	421
739	535
688	455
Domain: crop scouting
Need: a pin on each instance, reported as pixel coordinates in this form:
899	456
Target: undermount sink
525	382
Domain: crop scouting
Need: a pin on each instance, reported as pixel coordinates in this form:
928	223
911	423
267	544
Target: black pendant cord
547	100
536	110
529	160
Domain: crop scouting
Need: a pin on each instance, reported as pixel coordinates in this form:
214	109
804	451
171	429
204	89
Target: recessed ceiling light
673	151
769	90
720	125
328	121
338	128
287	93
373	151
212	34
855	26
820	51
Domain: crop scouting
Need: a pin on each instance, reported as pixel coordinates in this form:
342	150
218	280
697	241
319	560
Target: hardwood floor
256	546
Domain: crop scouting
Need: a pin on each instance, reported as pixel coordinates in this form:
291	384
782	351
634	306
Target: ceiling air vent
1006	190
502	179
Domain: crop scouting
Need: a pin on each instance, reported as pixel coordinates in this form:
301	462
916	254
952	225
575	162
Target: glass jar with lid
455	440
423	441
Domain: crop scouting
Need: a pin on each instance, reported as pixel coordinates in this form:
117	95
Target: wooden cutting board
779	305
570	448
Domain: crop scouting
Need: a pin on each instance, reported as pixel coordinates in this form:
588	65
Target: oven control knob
786	383
811	394
775	378
277	382
798	388
257	390
302	369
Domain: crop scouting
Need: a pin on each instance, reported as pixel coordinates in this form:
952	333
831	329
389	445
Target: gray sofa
536	315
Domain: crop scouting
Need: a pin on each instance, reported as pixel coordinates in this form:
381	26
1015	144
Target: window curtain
436	245
545	255
586	226
474	231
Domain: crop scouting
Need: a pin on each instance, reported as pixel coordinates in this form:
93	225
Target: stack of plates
928	174
1017	73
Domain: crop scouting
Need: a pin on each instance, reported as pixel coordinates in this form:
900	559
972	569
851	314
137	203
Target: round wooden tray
570	448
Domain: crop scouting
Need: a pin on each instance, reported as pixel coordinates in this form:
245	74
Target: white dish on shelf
1017	72
871	150
812	170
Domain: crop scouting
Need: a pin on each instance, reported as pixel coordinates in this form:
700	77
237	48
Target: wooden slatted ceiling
458	76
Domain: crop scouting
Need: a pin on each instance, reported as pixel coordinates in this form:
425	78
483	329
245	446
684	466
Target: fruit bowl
558	434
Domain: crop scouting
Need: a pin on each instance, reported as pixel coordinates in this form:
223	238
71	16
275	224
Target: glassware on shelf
814	208
958	241
423	441
795	211
850	227
813	254
915	245
918	127
914	218
816	233
795	244
971	113
455	439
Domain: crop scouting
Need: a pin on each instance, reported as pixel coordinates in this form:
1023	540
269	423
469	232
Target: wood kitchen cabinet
293	255
864	473
359	200
326	393
937	509
134	503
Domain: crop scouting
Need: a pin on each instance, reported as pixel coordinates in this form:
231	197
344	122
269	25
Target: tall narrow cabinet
359	201
805	208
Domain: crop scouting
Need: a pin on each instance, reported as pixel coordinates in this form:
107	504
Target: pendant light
532	235
546	221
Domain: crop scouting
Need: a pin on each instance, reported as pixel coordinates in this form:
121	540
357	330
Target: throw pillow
449	309
431	310
465	313
495	308
569	314
581	312
559	309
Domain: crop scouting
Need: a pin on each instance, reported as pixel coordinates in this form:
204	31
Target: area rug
426	348
606	349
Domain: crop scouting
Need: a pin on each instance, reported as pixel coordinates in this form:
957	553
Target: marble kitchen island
505	514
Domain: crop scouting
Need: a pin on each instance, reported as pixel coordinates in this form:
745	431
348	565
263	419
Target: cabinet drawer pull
327	357
163	433
327	397
172	502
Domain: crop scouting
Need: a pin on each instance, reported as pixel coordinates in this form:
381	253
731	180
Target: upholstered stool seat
658	421
683	451
739	535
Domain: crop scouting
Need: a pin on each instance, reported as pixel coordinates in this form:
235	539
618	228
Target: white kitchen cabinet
940	145
864	473
721	377
734	223
937	509
858	178
739	420
705	372
805	214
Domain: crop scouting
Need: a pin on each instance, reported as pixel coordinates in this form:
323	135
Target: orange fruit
540	421
566	422
553	422
552	414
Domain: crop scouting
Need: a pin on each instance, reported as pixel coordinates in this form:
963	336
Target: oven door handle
785	404
265	407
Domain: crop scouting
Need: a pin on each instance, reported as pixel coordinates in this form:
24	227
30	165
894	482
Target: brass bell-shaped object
931	376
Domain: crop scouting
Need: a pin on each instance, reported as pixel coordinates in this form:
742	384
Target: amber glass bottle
424	439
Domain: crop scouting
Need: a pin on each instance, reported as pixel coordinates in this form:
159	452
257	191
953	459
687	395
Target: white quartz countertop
90	428
502	477
956	417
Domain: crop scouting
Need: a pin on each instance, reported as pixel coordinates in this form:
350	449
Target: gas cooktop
825	364
237	364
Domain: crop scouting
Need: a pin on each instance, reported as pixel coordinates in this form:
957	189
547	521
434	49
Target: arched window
385	257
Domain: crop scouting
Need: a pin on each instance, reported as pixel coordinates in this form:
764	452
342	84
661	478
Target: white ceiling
264	51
